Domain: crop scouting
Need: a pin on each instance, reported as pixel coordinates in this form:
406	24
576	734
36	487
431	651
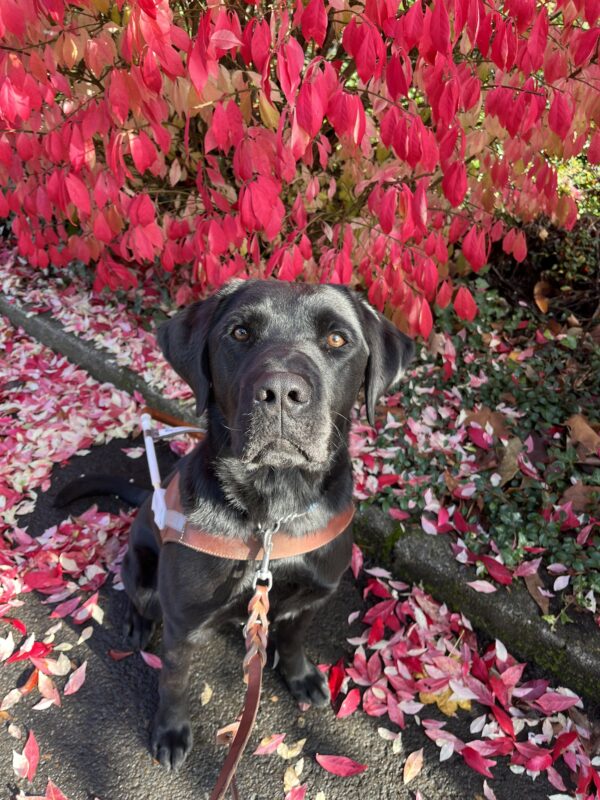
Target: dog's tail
101	485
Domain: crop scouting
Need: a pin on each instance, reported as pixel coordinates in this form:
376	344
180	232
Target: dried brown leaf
534	584
509	466
486	415
583	435
581	496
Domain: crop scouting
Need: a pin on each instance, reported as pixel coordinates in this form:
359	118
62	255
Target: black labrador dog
277	367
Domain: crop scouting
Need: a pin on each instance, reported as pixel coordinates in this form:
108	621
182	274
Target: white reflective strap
159	508
175	520
150	451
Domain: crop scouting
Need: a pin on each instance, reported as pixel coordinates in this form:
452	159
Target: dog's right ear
183	342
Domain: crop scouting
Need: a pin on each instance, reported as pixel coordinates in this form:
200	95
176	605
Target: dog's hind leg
139	576
306	683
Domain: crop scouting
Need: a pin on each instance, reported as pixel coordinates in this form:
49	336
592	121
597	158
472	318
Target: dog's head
281	365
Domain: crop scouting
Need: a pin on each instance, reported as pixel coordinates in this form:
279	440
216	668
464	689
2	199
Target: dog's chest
294	590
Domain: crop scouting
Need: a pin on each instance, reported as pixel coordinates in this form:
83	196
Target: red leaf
336	678
498	571
32	752
474	249
340	765
464	304
504	720
376	632
225	40
119	655
477	762
561	114
143	151
519	247
454	183
78	193
314	21
76	680
350	704
440	28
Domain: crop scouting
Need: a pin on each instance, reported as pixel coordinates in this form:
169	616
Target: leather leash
173	527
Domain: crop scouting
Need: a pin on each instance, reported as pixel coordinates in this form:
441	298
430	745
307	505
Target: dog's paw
137	630
171	744
310	687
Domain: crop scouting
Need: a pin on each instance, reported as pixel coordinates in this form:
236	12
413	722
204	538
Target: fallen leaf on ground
534	583
205	694
269	744
340	765
413	766
76	680
581	497
151	659
583	435
290	751
509	466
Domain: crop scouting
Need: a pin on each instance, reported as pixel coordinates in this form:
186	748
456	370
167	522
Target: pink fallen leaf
151	659
76	680
551	702
397	513
340	765
32	753
47	689
54	793
25	764
357	560
270	744
350	704
482	586
297	793
488	792
413	766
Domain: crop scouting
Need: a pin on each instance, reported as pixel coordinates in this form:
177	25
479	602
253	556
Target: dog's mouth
281	452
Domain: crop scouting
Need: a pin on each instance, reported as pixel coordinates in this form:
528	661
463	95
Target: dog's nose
285	390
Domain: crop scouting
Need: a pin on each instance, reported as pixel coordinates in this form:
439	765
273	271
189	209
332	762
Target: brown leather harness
275	544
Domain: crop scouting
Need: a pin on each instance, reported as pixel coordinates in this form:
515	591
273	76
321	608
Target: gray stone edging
99	364
569	654
572	657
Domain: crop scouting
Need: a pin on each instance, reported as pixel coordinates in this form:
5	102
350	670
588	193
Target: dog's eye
240	334
336	340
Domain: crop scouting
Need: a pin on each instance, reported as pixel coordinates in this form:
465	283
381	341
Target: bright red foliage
337	142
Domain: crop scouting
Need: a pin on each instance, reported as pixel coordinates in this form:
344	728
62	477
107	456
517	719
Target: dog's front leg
172	731
306	683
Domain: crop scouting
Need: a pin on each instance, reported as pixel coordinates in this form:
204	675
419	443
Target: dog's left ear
390	352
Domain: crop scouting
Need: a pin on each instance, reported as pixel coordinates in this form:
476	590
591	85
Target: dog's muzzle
286	422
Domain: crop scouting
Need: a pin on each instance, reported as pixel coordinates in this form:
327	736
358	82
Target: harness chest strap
178	530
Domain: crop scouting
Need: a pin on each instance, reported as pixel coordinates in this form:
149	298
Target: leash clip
263	573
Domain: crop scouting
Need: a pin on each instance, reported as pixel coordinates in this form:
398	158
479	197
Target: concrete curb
98	363
569	652
571	655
